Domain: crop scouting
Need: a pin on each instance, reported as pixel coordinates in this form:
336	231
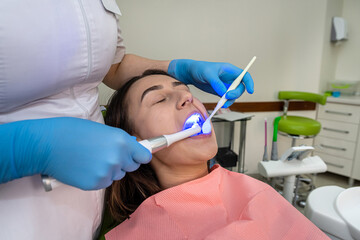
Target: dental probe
157	143
206	127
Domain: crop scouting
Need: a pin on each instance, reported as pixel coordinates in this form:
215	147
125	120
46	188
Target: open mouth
193	120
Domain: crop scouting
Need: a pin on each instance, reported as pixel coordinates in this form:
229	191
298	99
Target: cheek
155	124
189	152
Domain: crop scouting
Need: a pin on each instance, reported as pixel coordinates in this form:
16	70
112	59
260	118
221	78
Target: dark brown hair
125	195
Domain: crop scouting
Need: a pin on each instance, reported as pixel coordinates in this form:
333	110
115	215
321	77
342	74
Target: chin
207	154
190	152
202	148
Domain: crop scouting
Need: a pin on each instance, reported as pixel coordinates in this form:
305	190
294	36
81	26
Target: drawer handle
340	113
335	165
336	130
331	147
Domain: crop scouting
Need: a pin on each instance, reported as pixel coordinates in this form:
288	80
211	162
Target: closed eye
161	100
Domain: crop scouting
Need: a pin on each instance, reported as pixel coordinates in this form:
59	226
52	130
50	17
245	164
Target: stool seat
295	125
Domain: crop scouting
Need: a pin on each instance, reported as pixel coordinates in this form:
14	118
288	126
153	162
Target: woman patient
177	196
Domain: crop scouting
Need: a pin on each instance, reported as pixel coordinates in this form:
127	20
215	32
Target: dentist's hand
211	77
77	152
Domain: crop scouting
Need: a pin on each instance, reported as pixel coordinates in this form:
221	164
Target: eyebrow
158	87
178	84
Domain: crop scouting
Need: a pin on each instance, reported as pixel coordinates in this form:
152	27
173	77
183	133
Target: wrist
22	148
172	68
8	169
180	69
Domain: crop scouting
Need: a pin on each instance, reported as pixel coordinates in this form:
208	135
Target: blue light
195	118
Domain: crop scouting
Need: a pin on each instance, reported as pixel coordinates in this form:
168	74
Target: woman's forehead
153	79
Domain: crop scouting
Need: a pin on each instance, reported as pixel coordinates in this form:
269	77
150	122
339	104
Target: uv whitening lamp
192	127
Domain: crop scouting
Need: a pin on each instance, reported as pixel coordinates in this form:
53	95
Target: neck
169	177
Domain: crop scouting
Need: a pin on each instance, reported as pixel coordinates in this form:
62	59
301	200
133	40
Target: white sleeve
120	47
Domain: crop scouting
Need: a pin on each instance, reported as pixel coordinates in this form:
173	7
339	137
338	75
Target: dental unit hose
274	148
265	156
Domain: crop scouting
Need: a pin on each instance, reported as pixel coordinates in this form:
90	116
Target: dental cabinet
338	143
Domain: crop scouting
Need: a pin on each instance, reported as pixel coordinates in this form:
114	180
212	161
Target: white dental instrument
158	143
206	127
152	144
191	126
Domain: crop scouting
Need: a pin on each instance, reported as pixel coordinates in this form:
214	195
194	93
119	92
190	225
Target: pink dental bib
221	205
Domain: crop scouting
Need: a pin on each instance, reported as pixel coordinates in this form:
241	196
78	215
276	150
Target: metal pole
241	157
288	191
231	139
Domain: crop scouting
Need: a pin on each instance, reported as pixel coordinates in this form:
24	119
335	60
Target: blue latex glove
211	77
77	152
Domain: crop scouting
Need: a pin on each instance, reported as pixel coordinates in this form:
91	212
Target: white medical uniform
53	55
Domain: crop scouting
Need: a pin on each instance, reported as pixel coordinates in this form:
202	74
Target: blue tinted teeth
194	119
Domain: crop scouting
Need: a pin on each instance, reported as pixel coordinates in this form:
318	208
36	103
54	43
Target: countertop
353	100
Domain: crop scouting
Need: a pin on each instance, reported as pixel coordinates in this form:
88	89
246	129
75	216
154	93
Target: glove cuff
22	153
172	68
180	69
8	169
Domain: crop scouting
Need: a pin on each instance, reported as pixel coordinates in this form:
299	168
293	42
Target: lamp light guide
193	120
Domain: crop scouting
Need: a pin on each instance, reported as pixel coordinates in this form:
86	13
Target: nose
185	99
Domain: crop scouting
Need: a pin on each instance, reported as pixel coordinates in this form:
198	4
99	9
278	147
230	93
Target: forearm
130	66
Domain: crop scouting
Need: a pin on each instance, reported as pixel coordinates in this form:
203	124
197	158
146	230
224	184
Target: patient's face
159	105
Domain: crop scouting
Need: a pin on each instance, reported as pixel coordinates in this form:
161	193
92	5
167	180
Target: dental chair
297	127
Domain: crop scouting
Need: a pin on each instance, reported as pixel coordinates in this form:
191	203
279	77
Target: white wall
348	63
286	36
330	50
290	39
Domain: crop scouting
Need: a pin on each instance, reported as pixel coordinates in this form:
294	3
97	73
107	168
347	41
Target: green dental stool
297	127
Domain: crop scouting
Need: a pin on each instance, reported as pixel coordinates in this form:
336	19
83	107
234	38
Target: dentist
53	55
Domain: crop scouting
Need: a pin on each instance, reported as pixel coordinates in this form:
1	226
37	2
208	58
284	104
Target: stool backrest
305	96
